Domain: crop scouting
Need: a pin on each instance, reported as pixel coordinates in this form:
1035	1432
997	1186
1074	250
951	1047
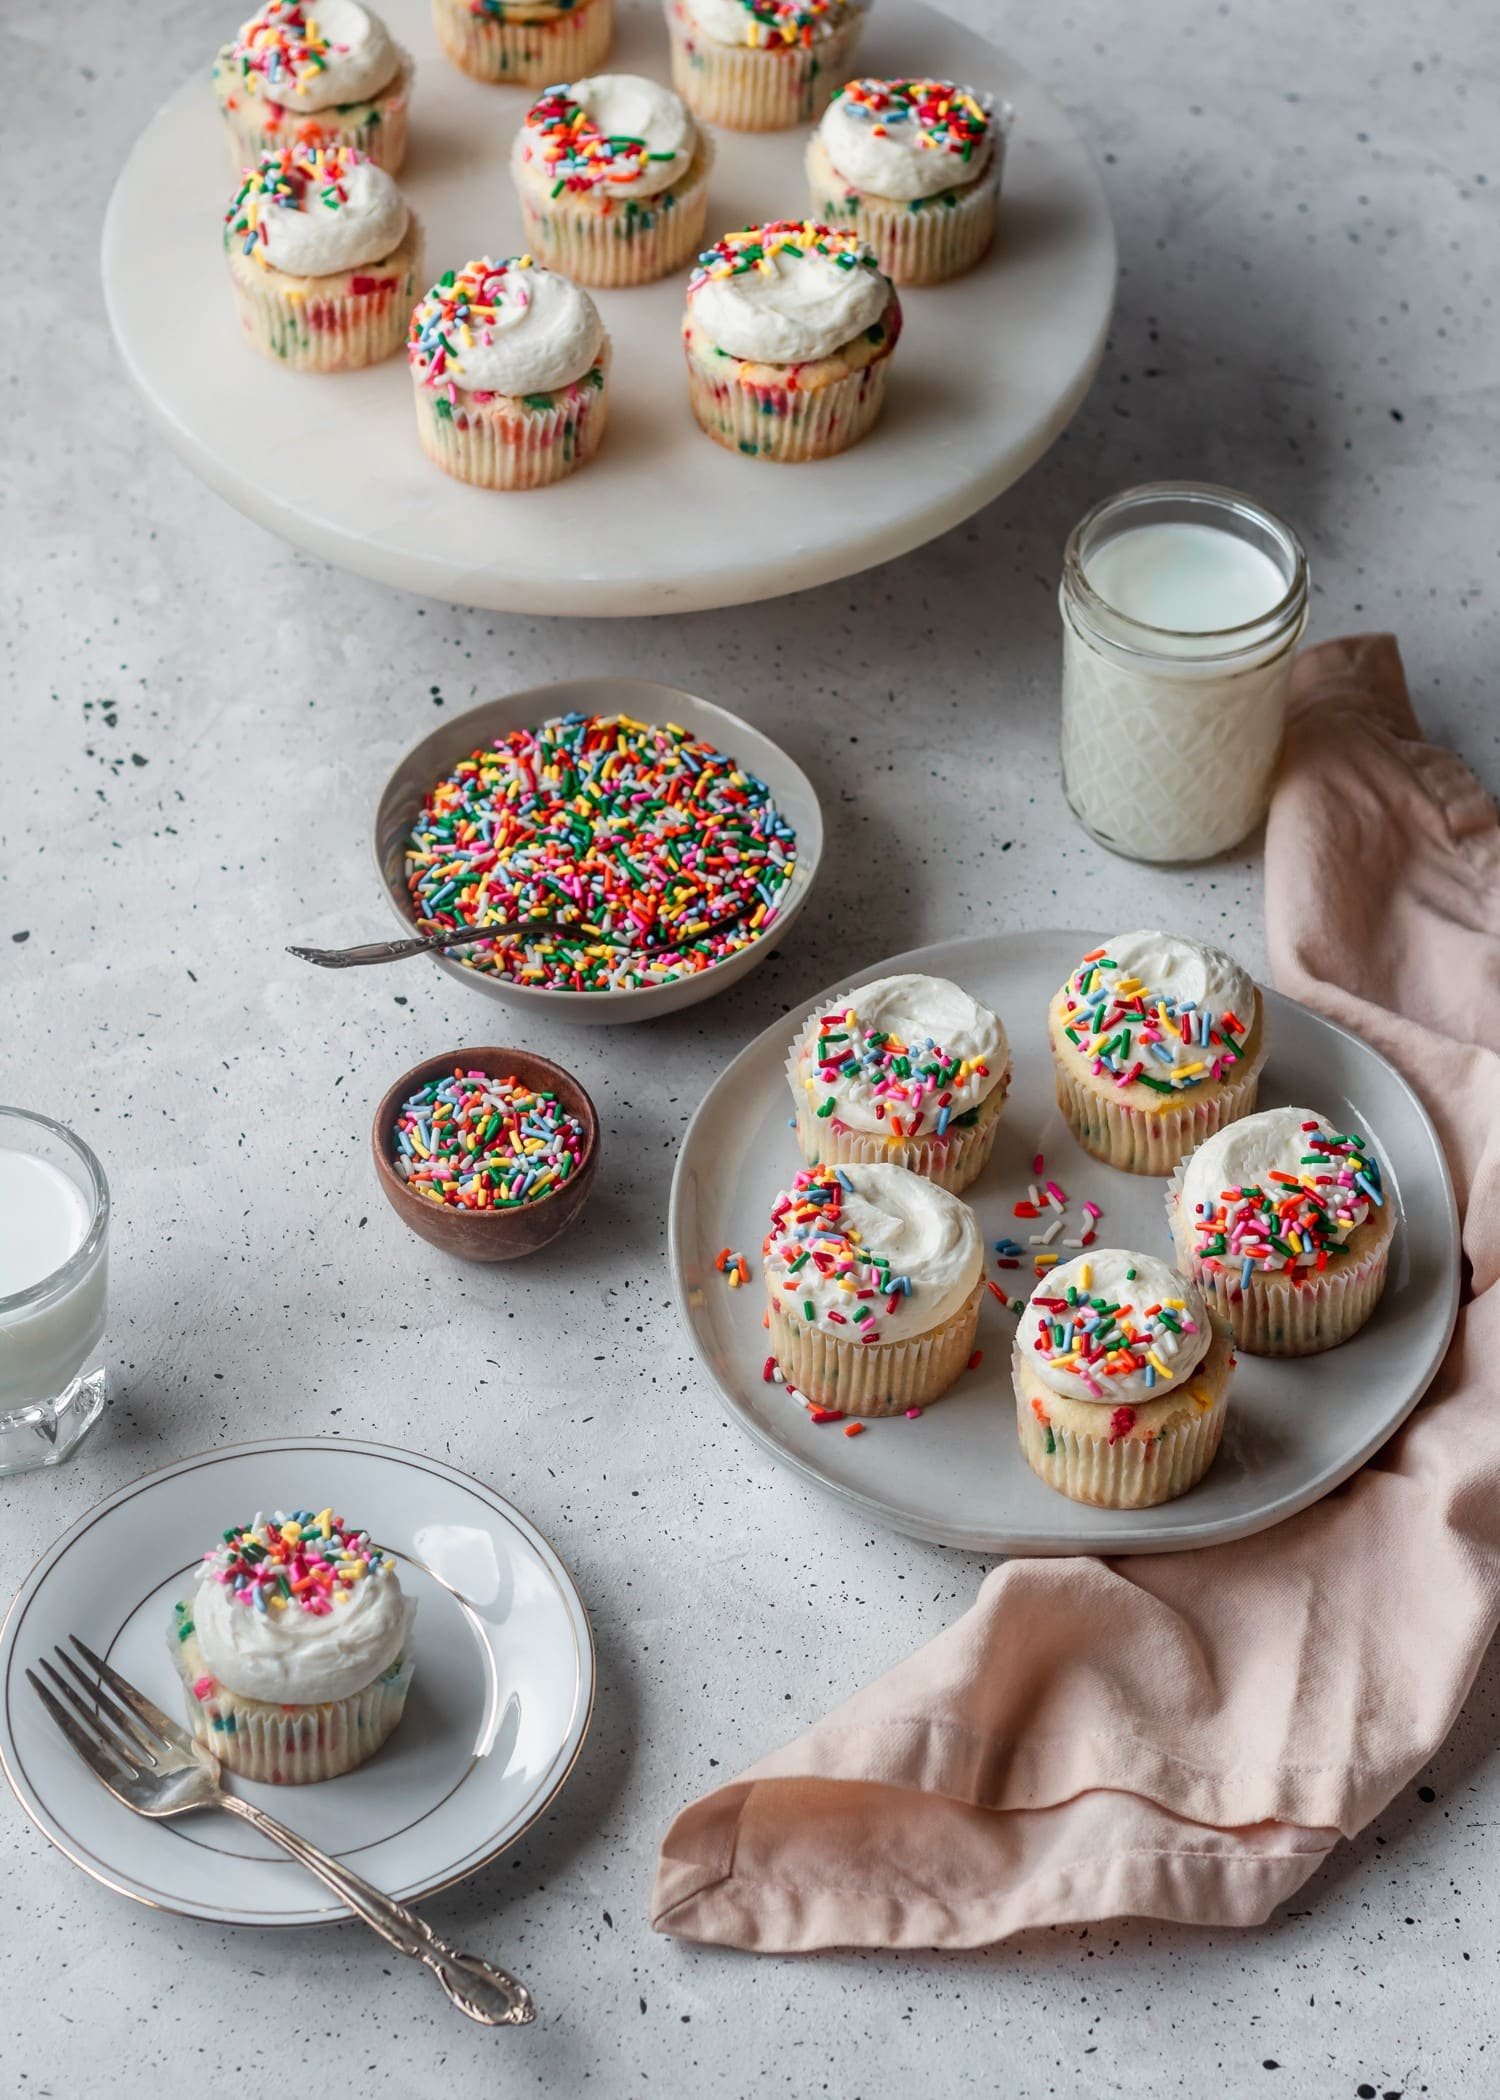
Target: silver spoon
471	936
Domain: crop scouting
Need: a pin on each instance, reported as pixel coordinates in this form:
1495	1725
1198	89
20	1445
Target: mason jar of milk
1182	605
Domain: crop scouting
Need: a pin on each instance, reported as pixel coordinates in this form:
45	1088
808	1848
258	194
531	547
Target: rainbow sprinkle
783	23
807	1229
295	1560
757	247
1295	1221
1137	1037
294	179
478	1143
461	310
948	119
577	154
914	1084
658	852
1097	1338
281	49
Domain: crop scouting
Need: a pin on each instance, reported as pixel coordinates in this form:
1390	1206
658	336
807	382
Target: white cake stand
987	375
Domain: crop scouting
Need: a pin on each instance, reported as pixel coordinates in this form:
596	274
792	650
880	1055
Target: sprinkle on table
1133	1035
1098	1339
310	179
759	248
915	1086
479	1142
282	50
297	1560
1293	1221
940	117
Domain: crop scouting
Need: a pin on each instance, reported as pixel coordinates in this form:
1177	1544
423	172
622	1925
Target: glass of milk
54	1255
1182	605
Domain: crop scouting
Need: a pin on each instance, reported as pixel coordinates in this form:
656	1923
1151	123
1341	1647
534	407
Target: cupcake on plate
612	174
327	74
524	43
1282	1222
908	1071
293	1648
1157	1042
913	167
761	65
511	364
324	259
874	1278
789	332
1122	1381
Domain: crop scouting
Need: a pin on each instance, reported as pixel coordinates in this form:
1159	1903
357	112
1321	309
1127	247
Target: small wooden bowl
488	1235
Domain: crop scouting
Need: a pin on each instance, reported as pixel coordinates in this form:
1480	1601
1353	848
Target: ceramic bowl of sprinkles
622	849
486	1154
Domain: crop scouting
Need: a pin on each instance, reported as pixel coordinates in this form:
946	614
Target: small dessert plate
499	1706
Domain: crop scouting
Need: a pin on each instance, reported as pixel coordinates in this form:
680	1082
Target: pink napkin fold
1186	1736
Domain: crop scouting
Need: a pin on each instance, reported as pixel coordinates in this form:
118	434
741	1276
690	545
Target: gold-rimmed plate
499	1706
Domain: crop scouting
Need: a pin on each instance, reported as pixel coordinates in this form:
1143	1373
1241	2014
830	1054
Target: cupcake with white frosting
1122	1381
326	74
612	174
761	65
873	1278
789	332
1283	1222
511	365
524	43
324	259
1157	1042
909	1071
293	1648
913	167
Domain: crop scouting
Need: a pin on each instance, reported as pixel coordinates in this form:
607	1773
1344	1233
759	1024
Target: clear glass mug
52	1386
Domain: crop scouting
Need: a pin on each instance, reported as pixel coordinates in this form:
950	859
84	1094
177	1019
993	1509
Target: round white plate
956	1475
989	372
499	1704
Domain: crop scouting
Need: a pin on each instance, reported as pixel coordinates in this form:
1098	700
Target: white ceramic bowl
437	754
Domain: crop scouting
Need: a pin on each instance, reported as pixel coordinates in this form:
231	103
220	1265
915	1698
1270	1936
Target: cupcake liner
504	441
329	324
749	89
1133	1472
615	242
1152	1140
952	1162
525	54
289	1745
1274	1316
923	242
874	1378
376	127
783	423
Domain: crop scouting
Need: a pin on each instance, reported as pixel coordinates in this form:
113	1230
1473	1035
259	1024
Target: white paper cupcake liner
329	324
376	127
289	1745
748	89
506	442
618	242
784	424
1153	1140
1272	1315
925	242
874	1378
525	54
953	1161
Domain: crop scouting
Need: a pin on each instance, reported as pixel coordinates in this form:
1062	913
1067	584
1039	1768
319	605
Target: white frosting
1186	971
921	1013
294	1658
314	239
732	22
1246	1153
924	1234
626	106
545	333
793	311
358	63
886	156
1134	1283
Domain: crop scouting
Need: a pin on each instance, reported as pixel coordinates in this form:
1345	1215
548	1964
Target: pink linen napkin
1187	1736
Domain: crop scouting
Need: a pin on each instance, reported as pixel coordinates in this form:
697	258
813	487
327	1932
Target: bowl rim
639	696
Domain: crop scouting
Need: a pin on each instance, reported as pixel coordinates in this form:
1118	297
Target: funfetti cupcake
511	365
909	1071
873	1278
761	65
294	1647
789	332
1122	1381
612	175
315	75
1157	1042
525	43
913	167
324	259
1283	1224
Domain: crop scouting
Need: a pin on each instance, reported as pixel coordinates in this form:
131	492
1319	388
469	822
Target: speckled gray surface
197	720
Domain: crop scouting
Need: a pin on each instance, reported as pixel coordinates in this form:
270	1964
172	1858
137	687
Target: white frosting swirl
316	56
1087	1364
929	1026
1187	971
537	331
619	106
888	156
792	310
734	21
308	236
926	1238
292	1658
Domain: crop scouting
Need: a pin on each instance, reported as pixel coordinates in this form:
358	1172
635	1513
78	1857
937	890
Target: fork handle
476	1987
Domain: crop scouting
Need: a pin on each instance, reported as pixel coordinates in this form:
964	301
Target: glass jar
1174	697
54	1266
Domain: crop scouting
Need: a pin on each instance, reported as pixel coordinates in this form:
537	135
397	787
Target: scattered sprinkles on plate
281	49
757	248
658	854
1044	1200
807	1229
577	154
732	1267
1293	1221
1098	1339
1136	1036
295	1560
916	1085
297	178
945	118
479	1143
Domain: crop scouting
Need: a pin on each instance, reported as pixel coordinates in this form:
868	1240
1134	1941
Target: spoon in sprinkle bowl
477	936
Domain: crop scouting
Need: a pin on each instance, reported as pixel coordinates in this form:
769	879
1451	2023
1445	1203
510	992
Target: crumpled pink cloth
1188	1735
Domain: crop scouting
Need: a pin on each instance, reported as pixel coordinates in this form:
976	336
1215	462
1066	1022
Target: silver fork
157	1769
